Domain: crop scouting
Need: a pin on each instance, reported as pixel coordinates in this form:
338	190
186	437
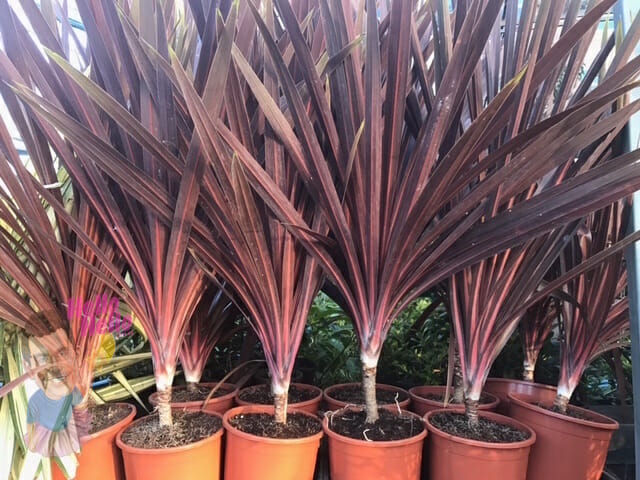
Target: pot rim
521	382
253	408
195	403
495	400
115	426
306	403
161	451
496	417
382	386
606	424
373	444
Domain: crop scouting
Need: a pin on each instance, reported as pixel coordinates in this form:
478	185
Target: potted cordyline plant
212	323
402	225
44	267
167	282
594	319
486	298
271	274
535	328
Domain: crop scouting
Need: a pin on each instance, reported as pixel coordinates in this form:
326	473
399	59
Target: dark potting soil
352	394
188	427
457	424
198	394
104	416
261	395
264	425
439	397
571	412
390	425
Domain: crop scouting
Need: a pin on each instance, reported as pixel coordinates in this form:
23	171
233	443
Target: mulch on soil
352	394
104	416
390	426
188	427
199	394
261	395
457	424
264	425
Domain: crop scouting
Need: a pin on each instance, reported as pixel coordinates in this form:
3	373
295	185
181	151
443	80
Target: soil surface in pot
264	425
353	394
261	395
188	427
439	397
571	412
104	416
390	425
197	394
457	424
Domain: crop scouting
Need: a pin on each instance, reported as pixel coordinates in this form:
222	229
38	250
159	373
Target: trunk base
471	410
164	407
280	403
560	404
369	390
192	386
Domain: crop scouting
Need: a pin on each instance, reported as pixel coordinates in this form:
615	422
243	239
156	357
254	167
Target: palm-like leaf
535	327
212	321
598	316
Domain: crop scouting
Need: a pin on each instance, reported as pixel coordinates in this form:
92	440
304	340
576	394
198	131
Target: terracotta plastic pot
251	457
216	405
309	406
196	460
567	447
352	459
335	404
502	387
422	405
451	457
99	453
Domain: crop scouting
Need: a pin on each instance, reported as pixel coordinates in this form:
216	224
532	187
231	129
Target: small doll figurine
52	428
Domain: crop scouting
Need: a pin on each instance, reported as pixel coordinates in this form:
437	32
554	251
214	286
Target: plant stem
458	386
280	401
529	364
192	386
164	406
82	419
621	381
560	403
369	390
471	410
528	372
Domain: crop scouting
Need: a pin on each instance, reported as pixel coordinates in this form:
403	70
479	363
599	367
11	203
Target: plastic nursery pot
352	459
422	405
451	457
567	447
335	404
200	459
99	453
216	405
252	457
309	406
502	387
